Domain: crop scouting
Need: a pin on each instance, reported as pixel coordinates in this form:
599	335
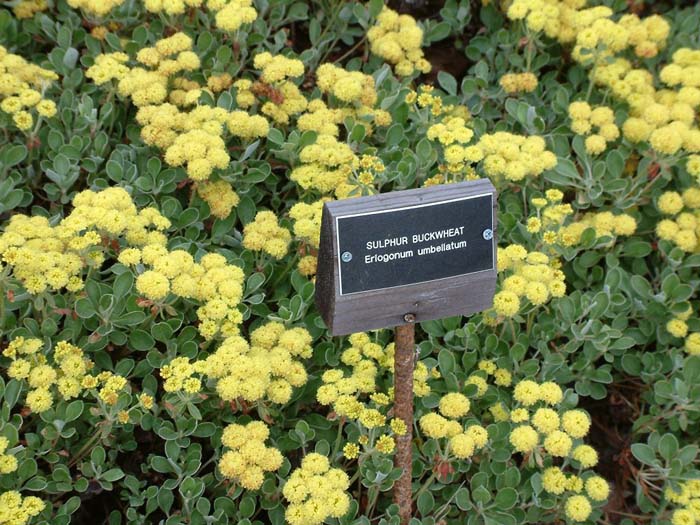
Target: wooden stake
404	340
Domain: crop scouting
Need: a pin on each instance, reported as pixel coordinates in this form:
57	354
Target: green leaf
12	391
74	410
141	340
122	284
247	507
506	498
462	500
84	308
644	453
375	7
98	455
165	499
446	361
426	503
70	58
447	82
13	155
112	474
162	332
437	32
668	446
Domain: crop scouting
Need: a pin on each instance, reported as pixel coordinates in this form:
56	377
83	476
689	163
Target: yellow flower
677	328
585	455
351	451
527	392
578	508
385	444
597	488
454	405
524	438
462	446
153	285
23	120
575	423
558	443
545	420
506	303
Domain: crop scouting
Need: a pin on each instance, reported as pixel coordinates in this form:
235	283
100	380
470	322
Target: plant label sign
407	256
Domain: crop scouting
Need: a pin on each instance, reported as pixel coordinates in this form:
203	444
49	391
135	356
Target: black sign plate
417	244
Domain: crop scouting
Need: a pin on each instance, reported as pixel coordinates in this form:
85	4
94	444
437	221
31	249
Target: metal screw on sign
487	234
346	257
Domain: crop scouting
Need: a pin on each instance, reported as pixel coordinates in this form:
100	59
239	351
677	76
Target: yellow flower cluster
168	57
307	221
16	510
584	119
320	118
67	372
687	497
532	277
178	376
191	138
98	8
281	97
249	457
21	89
683	226
665	117
504	155
219	196
108	67
425	99
195	138
343	391
212	281
514	157
28	8
326	164
232	14
265	234
385	443
462	443
678	327
346	86
605	224
599	37
269	367
551	215
45	257
364	178
8	462
277	68
684	69
648	36
552	17
542	427
316	492
170	7
518	82
365	358
307	228
454	405
398	39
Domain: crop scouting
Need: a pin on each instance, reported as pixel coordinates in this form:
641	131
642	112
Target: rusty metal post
404	340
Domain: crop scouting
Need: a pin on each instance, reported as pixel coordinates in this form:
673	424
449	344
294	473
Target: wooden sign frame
388	307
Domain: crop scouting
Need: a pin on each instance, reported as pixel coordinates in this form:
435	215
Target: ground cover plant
163	167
